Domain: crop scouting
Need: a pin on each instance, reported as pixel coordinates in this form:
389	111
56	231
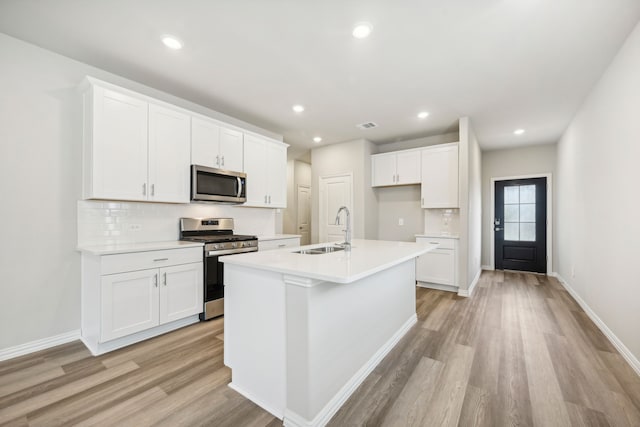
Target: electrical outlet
400	221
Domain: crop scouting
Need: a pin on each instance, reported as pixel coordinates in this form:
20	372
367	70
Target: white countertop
439	235
366	258
278	237
123	248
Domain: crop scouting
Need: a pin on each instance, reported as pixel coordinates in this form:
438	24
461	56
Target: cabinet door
205	142
437	266
408	167
169	149
231	150
181	291
255	166
440	177
383	169
118	160
129	303
277	175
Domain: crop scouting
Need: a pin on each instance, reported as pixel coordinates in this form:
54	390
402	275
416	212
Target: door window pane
520	213
511	231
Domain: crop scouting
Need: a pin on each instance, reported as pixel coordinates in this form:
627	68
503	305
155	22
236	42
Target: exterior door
304	214
335	191
520	225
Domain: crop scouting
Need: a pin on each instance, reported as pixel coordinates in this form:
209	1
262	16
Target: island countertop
367	257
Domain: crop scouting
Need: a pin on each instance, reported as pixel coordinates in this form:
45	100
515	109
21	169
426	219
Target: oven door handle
231	251
239	186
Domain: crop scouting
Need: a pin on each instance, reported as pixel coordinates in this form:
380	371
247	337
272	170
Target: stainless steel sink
320	250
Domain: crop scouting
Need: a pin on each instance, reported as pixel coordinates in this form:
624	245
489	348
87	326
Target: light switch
400	221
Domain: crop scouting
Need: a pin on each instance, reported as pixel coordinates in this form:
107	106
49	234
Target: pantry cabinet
133	149
395	168
265	163
216	146
128	297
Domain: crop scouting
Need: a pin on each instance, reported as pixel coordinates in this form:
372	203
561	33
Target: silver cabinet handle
218	160
398	178
222	160
155	280
281	246
265	199
239	186
160	259
269	199
165	278
144	189
153	189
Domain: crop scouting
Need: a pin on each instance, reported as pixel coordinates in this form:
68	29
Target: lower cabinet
288	242
439	266
123	302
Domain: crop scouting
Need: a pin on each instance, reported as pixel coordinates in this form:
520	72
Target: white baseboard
469	292
624	351
487	267
437	286
292	419
37	345
276	413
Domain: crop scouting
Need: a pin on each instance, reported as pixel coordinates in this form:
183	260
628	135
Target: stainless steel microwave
217	185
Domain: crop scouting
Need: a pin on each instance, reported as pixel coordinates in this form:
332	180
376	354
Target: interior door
335	191
520	225
304	214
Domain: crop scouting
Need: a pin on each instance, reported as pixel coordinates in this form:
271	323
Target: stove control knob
216	246
233	245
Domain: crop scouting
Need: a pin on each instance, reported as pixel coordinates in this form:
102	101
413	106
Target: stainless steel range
219	240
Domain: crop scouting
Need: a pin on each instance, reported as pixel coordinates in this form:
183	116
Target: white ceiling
507	64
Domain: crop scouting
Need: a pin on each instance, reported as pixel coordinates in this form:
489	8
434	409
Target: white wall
40	184
598	175
347	157
298	173
537	159
470	176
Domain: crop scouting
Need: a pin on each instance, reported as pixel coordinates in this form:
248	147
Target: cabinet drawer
278	244
444	243
120	263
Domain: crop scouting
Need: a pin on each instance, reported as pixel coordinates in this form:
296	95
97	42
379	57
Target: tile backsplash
103	222
442	221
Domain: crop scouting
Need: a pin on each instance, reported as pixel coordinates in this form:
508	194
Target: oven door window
213	276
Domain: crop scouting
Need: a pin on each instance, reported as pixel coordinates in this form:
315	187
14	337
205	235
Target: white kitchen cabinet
395	168
133	149
439	187
265	163
216	146
133	296
288	242
438	268
169	142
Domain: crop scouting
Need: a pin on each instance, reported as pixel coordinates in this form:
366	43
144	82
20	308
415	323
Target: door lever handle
499	229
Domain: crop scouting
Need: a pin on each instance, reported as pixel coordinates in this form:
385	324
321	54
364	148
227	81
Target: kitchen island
302	330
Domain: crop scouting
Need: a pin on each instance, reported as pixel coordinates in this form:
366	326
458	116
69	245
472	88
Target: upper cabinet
134	149
215	146
396	168
265	163
440	176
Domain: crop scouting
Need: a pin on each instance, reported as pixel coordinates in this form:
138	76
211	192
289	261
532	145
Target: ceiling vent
368	125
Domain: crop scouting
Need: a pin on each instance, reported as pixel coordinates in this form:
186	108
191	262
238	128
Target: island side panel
334	331
254	335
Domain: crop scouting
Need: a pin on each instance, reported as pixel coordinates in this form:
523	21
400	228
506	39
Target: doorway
303	213
335	191
520	224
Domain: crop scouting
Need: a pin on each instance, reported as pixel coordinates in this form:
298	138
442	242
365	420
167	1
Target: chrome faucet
347	231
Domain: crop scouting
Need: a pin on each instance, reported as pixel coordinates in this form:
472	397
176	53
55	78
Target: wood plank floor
519	352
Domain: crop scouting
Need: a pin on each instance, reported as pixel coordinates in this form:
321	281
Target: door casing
492	264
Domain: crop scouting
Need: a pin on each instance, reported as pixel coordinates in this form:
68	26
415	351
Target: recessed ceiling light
518	131
423	115
362	30
172	42
317	139
298	108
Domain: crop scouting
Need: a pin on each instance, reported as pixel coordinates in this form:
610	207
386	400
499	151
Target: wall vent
368	125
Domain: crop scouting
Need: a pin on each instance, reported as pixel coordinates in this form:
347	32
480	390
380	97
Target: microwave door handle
239	186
